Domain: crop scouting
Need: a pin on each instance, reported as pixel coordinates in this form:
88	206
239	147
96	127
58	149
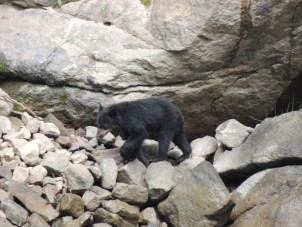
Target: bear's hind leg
181	141
163	147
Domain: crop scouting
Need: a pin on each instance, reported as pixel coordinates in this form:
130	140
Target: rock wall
216	60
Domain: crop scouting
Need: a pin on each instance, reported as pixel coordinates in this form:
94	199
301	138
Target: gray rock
101	193
85	218
36	174
50	191
149	217
200	199
109	173
32	201
91	132
281	211
191	163
264	188
49	129
132	194
132	173
20	174
64	141
194	45
103	216
5	172
56	162
232	133
203	147
124	210
266	146
81	143
6	106
72	204
50	118
5	124
91	200
95	171
114	153
35	220
160	179
14	212
78	178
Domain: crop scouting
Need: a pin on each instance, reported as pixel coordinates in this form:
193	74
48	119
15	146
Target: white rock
78	178
17	144
5	124
30	153
109	172
36	174
45	144
24	133
231	133
7	153
160	179
109	138
20	174
203	147
49	129
91	132
32	124
79	158
132	173
191	163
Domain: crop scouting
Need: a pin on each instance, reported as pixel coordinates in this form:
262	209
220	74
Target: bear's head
105	120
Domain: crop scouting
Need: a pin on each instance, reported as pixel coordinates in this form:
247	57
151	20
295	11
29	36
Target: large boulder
204	56
200	199
273	141
282	211
264	188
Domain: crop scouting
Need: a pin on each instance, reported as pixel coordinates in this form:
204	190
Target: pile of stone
54	176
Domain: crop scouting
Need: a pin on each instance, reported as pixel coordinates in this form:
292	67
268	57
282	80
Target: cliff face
216	60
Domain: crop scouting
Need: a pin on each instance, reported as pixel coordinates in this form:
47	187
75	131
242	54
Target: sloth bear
138	119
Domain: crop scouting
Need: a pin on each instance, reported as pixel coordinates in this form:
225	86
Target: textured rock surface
259	151
232	133
215	59
160	179
281	211
264	188
200	193
78	178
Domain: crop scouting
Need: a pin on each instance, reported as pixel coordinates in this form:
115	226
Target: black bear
137	119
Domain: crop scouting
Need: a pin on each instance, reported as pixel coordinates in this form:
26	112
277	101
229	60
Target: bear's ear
112	113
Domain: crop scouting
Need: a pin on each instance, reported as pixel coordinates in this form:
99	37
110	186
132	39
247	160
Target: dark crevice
245	27
290	99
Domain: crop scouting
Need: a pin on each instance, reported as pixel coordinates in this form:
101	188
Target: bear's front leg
132	145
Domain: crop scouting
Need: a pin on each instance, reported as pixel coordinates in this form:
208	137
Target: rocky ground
56	176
